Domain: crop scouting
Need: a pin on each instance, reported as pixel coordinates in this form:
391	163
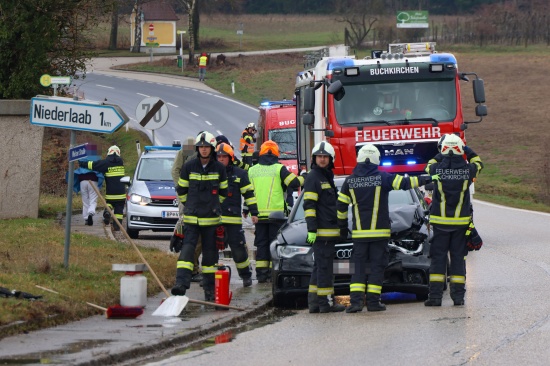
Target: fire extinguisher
223	276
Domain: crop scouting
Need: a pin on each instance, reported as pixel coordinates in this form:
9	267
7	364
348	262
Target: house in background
158	27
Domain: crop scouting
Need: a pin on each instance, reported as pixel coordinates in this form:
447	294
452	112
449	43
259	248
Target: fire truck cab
402	100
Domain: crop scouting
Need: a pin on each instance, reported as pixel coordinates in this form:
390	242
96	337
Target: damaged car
407	270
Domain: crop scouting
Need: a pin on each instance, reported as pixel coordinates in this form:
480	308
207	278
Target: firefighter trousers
118	208
321	281
186	259
239	252
376	255
265	234
452	241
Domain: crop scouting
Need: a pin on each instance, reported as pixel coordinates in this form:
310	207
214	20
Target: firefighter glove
311	237
176	243
435	177
474	241
220	237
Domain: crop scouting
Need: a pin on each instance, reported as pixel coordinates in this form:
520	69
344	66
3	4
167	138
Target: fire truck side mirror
337	90
329	133
481	110
308	119
479	91
309	99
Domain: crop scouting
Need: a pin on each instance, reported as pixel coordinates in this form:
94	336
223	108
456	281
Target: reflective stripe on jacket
112	168
320	204
238	185
247	144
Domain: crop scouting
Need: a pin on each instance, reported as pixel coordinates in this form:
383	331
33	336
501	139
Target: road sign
152	113
151	27
151	44
76	115
78	152
47	80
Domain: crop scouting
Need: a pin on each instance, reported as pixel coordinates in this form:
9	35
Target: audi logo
344	253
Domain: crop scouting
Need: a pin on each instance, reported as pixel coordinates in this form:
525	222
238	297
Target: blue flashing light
151	148
340	63
411	162
443	58
387	163
270	103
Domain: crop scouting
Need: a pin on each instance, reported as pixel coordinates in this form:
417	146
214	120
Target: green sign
412	19
152	44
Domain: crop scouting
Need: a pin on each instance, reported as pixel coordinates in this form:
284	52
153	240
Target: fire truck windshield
434	100
286	139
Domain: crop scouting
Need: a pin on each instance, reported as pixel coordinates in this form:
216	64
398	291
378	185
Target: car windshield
387	102
155	169
286	139
398	197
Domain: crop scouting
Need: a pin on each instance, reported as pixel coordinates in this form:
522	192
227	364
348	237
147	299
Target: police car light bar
151	148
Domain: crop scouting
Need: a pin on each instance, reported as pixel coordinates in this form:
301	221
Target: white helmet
452	143
323	148
113	150
369	151
205	139
251	125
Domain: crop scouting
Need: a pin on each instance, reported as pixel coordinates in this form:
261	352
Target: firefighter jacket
367	190
239	185
112	168
450	206
270	180
247	143
202	190
320	196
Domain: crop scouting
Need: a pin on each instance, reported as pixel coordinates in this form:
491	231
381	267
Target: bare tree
360	17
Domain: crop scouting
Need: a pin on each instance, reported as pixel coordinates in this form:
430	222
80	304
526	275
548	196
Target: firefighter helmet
113	150
323	148
205	139
370	152
440	142
225	149
251	125
270	147
452	143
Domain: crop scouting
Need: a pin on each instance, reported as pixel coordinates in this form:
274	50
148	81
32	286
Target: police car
151	202
409	246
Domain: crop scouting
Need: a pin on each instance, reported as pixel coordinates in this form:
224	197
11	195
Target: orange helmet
269	147
225	149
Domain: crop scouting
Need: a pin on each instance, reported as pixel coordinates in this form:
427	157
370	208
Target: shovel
173	305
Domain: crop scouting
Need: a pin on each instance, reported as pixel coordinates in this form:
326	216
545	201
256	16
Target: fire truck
402	100
277	122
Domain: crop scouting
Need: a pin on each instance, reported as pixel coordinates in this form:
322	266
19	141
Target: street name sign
76	114
78	152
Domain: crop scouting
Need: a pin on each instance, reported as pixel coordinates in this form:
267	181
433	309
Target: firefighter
270	180
367	189
238	184
247	143
112	168
202	187
450	217
320	196
203	60
176	240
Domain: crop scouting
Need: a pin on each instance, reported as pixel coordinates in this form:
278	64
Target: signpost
152	113
74	115
47	80
181	33
412	19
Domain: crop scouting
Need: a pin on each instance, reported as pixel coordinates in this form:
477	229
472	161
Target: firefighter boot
208	285
436	293
246	275
457	293
312	302
373	302
106	217
262	274
326	307
357	302
183	278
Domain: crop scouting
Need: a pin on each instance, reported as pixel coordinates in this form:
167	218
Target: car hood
154	189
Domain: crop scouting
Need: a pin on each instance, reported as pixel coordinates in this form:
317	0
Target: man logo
398	152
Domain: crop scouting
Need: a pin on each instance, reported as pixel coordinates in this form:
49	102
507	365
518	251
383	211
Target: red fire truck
402	100
277	122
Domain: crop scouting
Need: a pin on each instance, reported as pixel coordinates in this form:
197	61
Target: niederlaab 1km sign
76	114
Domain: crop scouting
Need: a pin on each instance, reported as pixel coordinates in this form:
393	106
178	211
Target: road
506	319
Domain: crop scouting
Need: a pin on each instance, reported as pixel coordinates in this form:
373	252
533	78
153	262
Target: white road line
475	201
173	105
194	114
143	95
234	101
208	123
104	86
219	132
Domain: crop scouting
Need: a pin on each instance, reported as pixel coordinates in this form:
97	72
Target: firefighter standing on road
450	217
247	143
238	184
367	189
322	227
270	180
201	189
112	168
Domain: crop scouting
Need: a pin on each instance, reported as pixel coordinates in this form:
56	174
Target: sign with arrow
76	114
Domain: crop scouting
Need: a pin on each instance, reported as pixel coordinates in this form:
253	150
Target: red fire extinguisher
223	276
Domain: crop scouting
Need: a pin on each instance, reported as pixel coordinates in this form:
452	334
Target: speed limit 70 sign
152	113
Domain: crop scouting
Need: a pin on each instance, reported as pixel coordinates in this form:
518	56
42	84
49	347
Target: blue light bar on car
411	162
386	163
150	148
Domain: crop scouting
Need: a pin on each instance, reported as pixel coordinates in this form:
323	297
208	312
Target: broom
112	312
174	303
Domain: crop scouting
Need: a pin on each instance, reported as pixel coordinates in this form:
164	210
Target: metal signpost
152	113
240	32
181	33
151	40
74	115
47	80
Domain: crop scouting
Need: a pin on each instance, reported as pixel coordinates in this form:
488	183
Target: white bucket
133	289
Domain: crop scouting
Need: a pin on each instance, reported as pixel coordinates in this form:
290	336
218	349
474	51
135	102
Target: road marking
219	132
234	101
104	86
208	123
509	208
143	95
173	105
194	114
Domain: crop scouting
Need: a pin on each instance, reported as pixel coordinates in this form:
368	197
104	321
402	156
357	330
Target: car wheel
134	234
